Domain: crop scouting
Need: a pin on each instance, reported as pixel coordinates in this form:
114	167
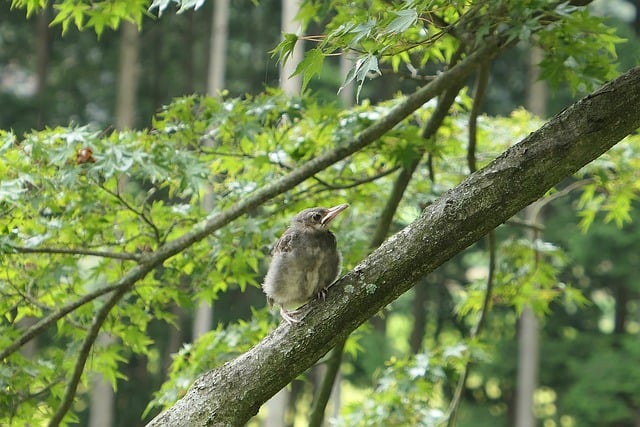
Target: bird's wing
284	244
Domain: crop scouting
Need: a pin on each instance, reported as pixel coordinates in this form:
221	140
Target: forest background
111	150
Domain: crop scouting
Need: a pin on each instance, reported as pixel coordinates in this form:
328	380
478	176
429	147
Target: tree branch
126	281
324	393
452	412
82	252
92	334
481	84
231	394
128	206
445	101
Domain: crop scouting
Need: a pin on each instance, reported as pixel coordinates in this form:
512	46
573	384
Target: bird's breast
310	264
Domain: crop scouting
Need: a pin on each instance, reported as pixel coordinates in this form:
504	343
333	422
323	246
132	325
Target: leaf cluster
410	391
208	352
422	36
81	207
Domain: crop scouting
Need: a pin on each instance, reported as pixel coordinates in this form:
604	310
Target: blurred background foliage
579	273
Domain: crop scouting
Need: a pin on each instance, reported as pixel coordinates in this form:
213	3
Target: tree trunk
621	298
102	394
215	84
291	85
218	47
43	54
419	315
527	368
278	404
277	409
128	77
232	393
347	92
636	28
528	334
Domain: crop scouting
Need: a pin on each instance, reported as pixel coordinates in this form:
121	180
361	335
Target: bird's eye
316	217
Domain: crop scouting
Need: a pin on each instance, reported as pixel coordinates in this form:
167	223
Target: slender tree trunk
636	28
128	77
329	375
215	84
188	64
278	404
218	47
291	85
277	409
528	333
347	94
419	315
621	297
102	395
43	51
176	337
527	368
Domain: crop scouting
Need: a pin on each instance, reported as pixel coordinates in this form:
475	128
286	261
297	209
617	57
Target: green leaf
364	66
404	20
361	32
309	66
161	5
285	47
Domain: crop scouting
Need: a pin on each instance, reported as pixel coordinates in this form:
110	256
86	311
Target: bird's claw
322	293
288	316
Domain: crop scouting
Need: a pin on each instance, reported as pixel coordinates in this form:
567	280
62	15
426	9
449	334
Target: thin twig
38	327
457	394
74	251
525	224
333	367
78	369
541	203
356	182
325	186
481	84
118	243
139	213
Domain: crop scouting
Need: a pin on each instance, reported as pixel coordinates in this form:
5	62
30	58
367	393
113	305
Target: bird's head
318	218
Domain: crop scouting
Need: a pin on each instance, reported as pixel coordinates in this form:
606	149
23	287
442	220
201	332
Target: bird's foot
322	293
288	316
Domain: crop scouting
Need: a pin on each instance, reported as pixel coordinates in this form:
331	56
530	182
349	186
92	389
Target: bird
305	261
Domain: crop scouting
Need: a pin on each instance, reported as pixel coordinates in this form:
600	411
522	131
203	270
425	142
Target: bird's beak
332	213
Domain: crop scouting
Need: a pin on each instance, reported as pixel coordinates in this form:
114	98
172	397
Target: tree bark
232	393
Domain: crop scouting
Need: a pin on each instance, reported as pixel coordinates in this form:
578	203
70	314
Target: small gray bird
306	261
